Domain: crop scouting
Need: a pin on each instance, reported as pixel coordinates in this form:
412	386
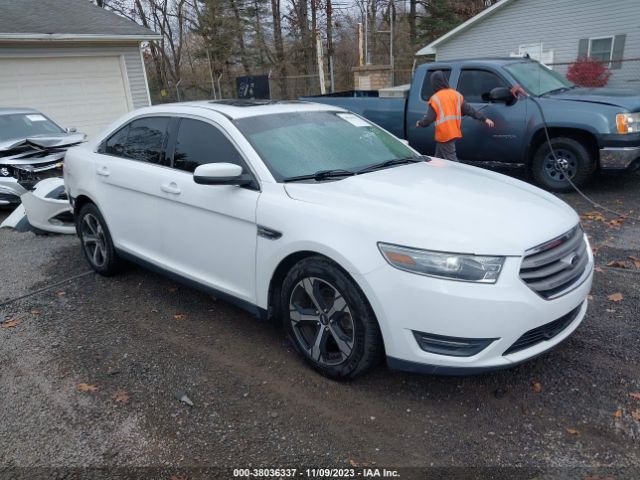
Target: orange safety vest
447	103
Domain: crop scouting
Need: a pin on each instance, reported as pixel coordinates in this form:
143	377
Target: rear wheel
574	161
96	241
329	320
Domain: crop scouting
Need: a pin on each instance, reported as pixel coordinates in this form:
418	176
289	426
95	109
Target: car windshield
303	143
538	79
16	126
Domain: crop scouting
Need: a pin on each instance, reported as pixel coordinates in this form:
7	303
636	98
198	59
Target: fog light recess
451	346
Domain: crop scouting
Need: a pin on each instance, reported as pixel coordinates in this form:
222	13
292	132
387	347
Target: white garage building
79	64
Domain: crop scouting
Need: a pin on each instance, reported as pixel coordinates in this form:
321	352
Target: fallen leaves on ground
616	222
597	216
635	395
636	261
572	431
598	269
61	294
13	323
536	387
179	316
590	297
618	413
636	415
180	476
617	264
86	387
616	297
121	396
35	311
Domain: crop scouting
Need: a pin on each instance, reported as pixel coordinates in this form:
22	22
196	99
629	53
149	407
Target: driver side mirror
221	174
500	95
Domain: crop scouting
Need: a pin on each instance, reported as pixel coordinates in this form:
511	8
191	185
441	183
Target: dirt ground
91	372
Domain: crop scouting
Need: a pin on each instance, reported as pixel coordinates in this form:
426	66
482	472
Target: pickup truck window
426	90
303	143
473	83
536	78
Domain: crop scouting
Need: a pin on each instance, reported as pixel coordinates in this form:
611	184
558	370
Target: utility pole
392	9
360	46
392	15
330	43
323	88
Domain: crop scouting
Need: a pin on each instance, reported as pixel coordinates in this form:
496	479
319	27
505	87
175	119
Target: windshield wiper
321	175
391	163
558	90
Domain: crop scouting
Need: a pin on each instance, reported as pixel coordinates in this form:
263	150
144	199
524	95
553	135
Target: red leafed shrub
587	72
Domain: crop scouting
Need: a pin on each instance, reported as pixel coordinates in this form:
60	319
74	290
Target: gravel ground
257	404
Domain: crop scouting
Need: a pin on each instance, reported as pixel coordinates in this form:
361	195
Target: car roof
14	110
235	109
496	61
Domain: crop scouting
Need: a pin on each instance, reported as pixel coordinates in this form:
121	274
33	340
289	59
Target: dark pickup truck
590	128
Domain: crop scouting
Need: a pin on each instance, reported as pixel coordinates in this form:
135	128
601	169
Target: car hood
61	140
628	99
441	205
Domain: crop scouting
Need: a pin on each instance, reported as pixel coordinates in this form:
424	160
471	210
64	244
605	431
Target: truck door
422	139
504	141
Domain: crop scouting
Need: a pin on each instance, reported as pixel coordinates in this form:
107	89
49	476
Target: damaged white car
32	149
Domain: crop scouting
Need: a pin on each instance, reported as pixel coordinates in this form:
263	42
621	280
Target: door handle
170	188
103	171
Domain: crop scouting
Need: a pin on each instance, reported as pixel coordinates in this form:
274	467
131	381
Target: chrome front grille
553	268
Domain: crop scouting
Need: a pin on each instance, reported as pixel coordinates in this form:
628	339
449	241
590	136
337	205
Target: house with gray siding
77	63
555	32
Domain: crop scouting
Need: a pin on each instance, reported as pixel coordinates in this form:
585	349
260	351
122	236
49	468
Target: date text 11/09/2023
329	473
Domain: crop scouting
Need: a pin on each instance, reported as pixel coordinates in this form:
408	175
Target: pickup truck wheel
574	161
96	241
329	320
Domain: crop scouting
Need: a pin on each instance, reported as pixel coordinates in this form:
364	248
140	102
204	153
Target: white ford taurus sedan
313	216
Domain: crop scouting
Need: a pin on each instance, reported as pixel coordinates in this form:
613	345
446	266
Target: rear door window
198	143
472	84
427	90
115	143
145	140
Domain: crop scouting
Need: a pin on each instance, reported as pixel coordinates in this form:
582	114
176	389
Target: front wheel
574	161
329	320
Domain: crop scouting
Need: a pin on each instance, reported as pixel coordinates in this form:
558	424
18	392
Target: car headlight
452	266
628	122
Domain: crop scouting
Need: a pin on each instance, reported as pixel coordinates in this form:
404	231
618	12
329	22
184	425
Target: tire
97	245
329	320
579	162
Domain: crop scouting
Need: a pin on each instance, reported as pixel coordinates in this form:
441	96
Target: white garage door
83	92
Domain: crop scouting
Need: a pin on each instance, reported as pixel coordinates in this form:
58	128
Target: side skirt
261	313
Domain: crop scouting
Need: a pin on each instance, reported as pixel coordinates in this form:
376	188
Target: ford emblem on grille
570	260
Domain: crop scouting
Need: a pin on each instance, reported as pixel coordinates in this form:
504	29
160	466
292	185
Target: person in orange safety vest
446	108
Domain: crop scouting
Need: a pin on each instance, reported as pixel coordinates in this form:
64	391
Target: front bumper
619	158
405	303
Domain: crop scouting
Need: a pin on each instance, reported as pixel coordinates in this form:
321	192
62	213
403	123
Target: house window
600	49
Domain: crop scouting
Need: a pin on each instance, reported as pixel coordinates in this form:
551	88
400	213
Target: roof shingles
65	17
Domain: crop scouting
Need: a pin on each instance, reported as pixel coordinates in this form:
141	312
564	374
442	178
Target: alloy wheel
93	240
321	321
